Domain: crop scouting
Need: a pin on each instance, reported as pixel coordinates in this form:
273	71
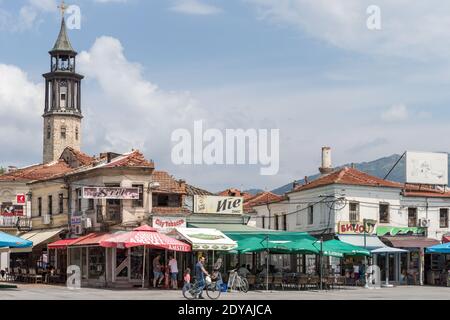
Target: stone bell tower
62	113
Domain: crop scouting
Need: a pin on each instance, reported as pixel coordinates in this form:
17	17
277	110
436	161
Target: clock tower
62	112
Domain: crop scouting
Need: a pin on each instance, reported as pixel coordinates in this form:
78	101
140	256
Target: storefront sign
20	199
9	210
110	193
167	224
403	231
218	205
347	227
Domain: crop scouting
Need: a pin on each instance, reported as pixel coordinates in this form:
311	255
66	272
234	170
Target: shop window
384	213
311	214
412	217
354	211
299	215
96	262
139	203
40	207
60	203
443	218
50	205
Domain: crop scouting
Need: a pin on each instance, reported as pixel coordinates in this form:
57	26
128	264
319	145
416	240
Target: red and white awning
145	236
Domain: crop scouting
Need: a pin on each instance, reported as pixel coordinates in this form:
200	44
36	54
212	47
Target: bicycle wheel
189	294
244	285
213	291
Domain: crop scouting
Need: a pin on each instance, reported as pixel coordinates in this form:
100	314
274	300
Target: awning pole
143	270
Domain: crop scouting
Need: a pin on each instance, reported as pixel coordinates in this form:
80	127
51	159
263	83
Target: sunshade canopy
207	239
337	248
38	238
145	236
63	244
388	250
9	241
370	243
259	244
440	248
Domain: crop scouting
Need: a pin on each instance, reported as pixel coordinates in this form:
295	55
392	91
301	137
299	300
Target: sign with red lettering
10	210
20	199
167	224
347	227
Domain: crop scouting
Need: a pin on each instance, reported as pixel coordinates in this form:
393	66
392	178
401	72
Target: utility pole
321	263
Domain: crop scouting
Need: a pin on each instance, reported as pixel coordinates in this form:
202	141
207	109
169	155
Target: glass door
122	264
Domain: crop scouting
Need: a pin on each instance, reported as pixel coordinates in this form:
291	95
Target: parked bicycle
236	282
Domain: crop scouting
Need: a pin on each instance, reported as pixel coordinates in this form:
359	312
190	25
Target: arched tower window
49	132
76	133
63	132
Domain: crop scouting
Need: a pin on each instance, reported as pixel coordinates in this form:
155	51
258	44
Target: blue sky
309	68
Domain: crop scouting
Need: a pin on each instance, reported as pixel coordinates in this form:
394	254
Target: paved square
43	292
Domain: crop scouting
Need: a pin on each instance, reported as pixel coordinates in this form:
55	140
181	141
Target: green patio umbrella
336	248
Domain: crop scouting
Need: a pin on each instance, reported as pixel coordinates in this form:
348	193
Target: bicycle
212	288
237	282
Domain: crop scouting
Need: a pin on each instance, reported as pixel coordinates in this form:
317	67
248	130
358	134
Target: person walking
157	274
187	280
173	266
200	273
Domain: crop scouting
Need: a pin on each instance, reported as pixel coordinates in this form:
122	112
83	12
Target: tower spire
63	42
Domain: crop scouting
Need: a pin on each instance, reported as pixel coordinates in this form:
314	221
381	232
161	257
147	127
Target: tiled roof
82	157
133	159
191	190
419	191
232	192
37	172
349	176
262	198
167	184
169	210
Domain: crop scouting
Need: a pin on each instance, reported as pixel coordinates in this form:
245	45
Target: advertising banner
427	168
167	224
111	193
218	205
9	210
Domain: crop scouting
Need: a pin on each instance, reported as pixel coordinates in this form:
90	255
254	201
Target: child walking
187	280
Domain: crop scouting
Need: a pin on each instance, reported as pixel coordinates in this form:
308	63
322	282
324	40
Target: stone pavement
43	292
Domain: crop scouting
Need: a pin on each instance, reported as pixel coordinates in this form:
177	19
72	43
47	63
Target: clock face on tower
62	111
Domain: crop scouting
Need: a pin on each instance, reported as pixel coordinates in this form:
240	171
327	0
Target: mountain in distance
378	168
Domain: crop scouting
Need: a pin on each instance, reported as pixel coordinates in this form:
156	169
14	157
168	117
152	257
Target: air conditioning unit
46	219
424	223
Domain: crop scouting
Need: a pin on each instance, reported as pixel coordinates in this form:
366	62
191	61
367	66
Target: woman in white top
173	265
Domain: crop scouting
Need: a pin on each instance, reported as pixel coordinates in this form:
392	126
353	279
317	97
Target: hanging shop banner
347	227
167	224
218	205
403	231
9	210
111	193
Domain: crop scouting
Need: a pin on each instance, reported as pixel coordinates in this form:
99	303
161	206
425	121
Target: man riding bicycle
200	273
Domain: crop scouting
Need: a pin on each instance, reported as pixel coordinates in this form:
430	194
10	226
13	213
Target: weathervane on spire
63	8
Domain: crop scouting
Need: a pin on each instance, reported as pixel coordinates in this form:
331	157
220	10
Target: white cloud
412	29
395	113
195	7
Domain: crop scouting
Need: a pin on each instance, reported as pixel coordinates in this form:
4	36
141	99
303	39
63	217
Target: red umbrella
147	237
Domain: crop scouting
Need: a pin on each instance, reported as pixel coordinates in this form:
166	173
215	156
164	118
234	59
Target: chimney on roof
11	169
326	161
306	180
294	185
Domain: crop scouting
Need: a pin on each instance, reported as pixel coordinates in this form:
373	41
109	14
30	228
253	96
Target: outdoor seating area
32	275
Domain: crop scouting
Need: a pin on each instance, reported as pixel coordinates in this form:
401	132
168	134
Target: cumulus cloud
415	30
195	7
395	113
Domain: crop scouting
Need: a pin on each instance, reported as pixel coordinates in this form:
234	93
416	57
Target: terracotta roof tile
232	192
262	198
133	159
82	157
191	190
349	176
38	172
167	183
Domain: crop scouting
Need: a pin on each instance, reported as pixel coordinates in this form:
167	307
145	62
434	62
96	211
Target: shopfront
438	272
